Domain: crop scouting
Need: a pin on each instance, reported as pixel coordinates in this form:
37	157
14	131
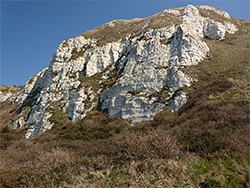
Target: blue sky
32	30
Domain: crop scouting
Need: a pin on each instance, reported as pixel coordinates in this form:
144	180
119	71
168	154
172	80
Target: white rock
112	23
214	30
150	66
178	101
230	27
38	121
144	26
7	96
220	12
101	57
30	86
18	123
192	21
141	73
172	11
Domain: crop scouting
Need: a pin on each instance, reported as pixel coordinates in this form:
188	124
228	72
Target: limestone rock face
172	11
9	93
212	9
151	68
216	30
18	123
134	77
5	96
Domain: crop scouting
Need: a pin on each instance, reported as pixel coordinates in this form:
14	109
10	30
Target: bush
154	144
35	168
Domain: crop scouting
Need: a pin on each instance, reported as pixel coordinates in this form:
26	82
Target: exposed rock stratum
128	68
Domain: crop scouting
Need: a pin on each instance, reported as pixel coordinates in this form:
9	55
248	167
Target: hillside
186	91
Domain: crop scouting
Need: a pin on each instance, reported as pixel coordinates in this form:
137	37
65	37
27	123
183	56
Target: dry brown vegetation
12	89
8	111
8	114
205	143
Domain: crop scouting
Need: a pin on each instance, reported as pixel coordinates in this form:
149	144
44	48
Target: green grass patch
58	116
227	172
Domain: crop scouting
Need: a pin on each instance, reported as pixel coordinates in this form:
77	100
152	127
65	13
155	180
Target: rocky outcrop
172	11
19	123
134	77
9	93
6	96
218	11
150	67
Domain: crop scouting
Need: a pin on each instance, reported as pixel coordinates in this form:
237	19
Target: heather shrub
212	126
201	95
233	116
143	173
35	167
7	138
93	127
154	144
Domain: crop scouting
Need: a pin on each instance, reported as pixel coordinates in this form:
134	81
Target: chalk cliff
128	68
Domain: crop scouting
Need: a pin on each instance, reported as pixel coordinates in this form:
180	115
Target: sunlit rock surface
133	78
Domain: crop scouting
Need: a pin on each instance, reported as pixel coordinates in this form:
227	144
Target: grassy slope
105	34
8	111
